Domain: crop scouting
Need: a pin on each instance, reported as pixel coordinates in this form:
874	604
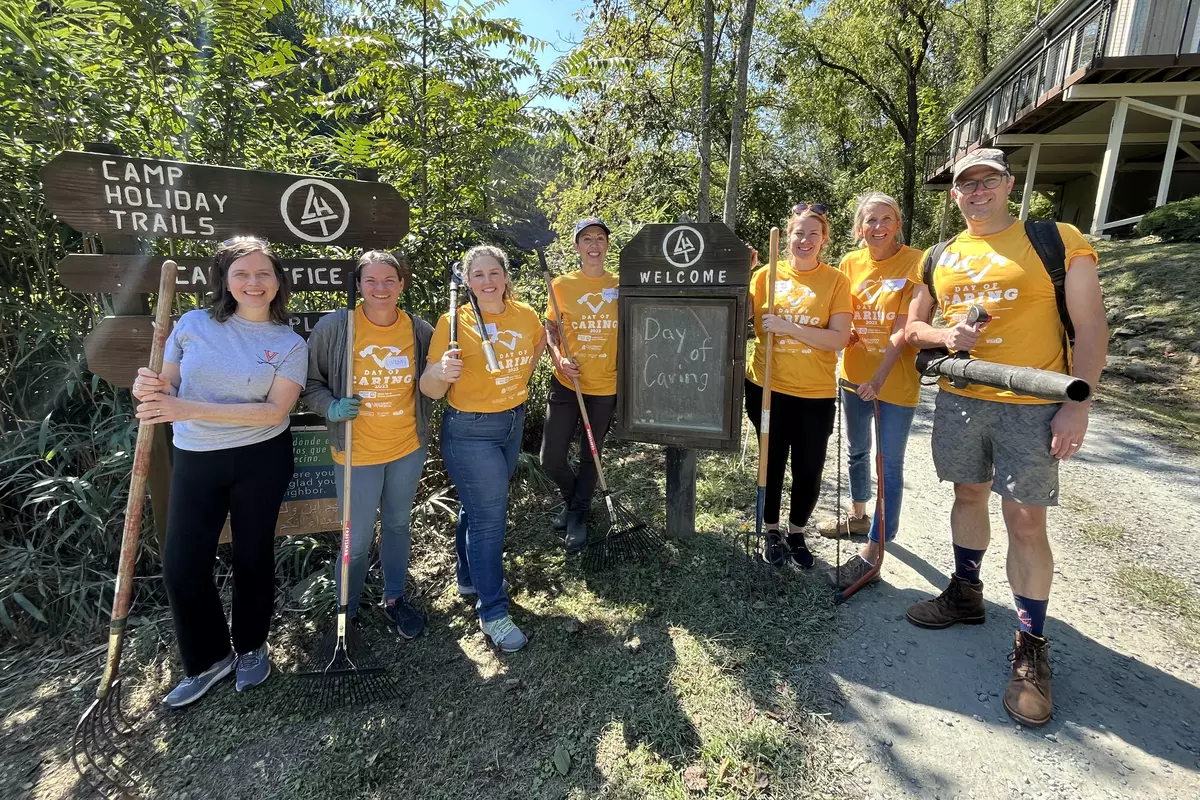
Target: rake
627	536
764	426
95	752
343	670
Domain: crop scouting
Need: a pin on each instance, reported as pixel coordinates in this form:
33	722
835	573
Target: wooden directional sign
97	274
110	194
685	255
118	346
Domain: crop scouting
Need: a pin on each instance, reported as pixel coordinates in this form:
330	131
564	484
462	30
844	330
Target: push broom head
627	538
343	671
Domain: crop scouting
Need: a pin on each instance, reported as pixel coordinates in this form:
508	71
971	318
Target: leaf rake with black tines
627	538
343	671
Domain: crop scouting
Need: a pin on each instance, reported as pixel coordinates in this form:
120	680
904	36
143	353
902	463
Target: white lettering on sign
692	357
684	277
683	245
151	187
323	215
317	276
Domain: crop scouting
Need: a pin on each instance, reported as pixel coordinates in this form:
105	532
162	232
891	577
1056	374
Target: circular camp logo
319	214
683	245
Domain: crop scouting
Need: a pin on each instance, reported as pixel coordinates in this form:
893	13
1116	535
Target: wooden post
1164	183
1108	171
1030	172
681	492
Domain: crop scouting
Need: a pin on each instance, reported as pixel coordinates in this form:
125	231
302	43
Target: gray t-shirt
231	362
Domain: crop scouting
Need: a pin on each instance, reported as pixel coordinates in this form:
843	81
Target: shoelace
502	627
249	660
1025	657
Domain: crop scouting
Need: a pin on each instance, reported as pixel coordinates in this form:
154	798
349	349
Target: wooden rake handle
135	503
764	428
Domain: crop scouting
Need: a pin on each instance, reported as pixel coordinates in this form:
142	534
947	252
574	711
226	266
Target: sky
552	21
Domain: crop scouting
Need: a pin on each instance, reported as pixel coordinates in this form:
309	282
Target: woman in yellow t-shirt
481	429
811	322
391	424
880	363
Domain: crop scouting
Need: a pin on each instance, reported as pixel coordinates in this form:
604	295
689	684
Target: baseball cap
984	157
588	222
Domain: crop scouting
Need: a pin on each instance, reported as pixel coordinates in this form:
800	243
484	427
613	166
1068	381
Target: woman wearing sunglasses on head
811	322
230	376
390	430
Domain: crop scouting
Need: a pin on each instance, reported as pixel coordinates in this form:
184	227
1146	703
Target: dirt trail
922	708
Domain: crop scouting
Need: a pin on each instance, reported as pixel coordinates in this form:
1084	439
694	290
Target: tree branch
885	103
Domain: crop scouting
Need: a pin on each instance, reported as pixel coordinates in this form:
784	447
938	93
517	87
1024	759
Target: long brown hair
223	303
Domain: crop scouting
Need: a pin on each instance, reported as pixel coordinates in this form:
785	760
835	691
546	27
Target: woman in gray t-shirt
231	375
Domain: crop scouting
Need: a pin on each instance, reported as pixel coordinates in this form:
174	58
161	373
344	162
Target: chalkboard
680	371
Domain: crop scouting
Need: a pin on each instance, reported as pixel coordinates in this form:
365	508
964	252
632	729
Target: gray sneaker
254	667
504	634
192	688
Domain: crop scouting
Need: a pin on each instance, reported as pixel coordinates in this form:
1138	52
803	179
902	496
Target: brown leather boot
1027	697
962	602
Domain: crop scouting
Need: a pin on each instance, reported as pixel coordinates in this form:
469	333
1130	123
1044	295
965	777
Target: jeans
894	424
480	451
562	420
389	489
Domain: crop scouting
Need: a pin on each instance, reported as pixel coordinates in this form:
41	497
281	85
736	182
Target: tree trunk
908	200
739	114
702	205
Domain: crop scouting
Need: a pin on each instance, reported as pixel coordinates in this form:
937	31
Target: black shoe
559	523
771	551
798	552
408	621
576	533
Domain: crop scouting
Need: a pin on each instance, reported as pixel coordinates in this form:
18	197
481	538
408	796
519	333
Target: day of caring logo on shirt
506	337
597	300
385	356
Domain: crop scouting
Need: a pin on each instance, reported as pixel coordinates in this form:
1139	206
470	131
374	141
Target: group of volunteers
233	372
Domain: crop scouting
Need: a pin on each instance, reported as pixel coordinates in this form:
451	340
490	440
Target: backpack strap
931	261
1048	244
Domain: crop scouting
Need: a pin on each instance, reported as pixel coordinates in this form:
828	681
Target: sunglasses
816	208
256	240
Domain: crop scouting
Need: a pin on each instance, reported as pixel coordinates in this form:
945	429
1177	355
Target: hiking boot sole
1026	721
937	626
577	547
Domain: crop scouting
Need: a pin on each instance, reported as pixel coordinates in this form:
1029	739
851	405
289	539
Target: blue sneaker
254	667
407	620
504	634
192	688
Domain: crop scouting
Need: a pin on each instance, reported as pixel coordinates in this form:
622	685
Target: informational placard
111	194
685	255
310	503
104	273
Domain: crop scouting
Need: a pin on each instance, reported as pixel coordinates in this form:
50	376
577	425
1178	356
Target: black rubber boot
560	521
576	533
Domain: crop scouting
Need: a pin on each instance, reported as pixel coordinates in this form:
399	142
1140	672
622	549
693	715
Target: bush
1174	222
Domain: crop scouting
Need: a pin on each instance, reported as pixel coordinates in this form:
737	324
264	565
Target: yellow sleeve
841	302
440	340
757	282
1075	244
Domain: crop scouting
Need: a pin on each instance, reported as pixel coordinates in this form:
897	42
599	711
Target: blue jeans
895	422
480	451
389	489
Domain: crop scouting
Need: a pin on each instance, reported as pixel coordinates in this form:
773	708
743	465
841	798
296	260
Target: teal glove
343	408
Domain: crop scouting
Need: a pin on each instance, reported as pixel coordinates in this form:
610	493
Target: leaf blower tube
962	370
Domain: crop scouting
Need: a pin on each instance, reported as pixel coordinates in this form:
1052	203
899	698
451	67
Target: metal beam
1164	182
1190	149
1125	166
1030	174
1108	170
1160	111
1111	91
1074	139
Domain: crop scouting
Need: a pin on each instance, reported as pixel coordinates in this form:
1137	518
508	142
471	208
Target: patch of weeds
1103	535
1153	589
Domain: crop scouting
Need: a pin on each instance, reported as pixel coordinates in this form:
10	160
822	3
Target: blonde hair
796	219
490	251
860	211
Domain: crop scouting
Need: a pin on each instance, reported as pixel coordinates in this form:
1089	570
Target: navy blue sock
1031	614
967	563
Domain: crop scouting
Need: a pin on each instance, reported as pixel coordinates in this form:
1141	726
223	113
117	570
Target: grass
1152	589
696	659
1103	535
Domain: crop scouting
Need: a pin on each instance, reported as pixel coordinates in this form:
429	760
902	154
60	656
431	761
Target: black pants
800	426
562	420
248	484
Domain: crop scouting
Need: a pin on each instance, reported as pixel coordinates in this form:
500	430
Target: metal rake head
627	538
102	763
342	672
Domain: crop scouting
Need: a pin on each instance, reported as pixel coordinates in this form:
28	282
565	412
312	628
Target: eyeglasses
816	208
990	182
236	240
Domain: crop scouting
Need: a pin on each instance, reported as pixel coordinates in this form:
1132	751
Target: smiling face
592	245
252	282
806	237
982	205
879	225
487	279
379	286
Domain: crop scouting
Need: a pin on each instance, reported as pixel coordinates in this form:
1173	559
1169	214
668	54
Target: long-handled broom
344	671
97	757
842	595
764	426
627	536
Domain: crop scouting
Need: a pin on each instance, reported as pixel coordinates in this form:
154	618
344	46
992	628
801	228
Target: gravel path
922	708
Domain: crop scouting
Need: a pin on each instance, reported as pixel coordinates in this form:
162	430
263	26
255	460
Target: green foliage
1174	222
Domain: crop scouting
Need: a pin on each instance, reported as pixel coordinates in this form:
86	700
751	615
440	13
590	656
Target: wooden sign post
682	349
127	200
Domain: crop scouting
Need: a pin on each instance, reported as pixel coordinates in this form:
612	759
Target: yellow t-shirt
881	291
805	298
385	377
515	335
589	323
1003	273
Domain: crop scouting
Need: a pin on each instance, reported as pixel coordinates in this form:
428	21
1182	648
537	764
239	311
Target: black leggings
247	484
562	420
801	426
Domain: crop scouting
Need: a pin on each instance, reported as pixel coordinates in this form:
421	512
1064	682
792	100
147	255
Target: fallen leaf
721	771
562	759
761	780
693	778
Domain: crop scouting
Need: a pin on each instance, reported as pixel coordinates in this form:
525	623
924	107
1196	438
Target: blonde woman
879	362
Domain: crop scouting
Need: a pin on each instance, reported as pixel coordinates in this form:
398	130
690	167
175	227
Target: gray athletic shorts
1008	444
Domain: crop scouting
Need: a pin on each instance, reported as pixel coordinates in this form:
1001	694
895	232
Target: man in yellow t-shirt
987	440
587	302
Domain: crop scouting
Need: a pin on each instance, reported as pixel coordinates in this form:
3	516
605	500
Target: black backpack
1048	244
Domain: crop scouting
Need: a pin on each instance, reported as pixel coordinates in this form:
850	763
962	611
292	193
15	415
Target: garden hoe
842	595
344	671
764	426
95	753
627	537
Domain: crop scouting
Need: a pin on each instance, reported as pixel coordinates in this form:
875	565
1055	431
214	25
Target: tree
738	126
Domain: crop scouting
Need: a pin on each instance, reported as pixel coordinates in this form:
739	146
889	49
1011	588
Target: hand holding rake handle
103	717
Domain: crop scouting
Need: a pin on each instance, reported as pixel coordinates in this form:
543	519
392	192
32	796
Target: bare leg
1030	561
969	525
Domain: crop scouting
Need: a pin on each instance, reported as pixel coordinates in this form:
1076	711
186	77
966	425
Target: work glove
343	408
